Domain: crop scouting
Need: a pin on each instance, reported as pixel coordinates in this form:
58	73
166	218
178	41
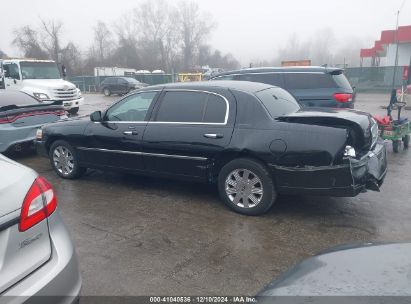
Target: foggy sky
249	29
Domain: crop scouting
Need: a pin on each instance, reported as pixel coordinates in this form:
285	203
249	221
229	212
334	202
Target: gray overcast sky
249	29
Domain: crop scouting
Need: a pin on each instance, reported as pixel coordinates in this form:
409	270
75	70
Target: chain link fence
91	84
375	78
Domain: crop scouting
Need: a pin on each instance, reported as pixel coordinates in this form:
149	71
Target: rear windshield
132	80
342	81
308	81
278	102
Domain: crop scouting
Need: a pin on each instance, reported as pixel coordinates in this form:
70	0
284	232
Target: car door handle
130	133
213	135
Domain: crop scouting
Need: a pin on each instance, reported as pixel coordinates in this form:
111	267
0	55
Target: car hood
49	84
363	126
354	270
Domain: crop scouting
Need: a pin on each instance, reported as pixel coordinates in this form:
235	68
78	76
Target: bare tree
194	27
52	31
158	35
102	41
72	59
27	41
293	50
322	47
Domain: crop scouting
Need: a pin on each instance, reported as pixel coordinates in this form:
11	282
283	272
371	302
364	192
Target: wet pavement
148	236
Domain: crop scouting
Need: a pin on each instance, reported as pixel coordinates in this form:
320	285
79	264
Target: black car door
116	141
187	129
122	85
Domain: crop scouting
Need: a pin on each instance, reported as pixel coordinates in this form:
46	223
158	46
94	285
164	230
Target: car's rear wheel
64	160
406	141
396	144
106	92
246	186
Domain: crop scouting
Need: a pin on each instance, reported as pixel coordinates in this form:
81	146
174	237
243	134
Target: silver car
20	117
37	257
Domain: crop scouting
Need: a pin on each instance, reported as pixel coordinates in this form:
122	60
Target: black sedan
252	139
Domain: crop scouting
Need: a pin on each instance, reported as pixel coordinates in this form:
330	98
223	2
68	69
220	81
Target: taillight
39	203
61	113
7	119
13	118
343	97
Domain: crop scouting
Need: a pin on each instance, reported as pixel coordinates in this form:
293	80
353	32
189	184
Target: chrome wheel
63	160
244	188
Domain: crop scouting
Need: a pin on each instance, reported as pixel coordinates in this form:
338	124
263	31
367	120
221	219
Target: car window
109	80
131	108
268	78
342	81
308	81
278	102
12	70
122	81
195	107
215	109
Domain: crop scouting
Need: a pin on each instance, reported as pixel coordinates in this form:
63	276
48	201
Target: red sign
405	73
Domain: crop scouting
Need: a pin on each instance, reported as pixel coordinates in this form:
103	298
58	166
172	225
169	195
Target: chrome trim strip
264	73
184	123
144	153
9	223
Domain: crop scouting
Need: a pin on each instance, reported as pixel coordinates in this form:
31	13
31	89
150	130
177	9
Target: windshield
39	70
278	102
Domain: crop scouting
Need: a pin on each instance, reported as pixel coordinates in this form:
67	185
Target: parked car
37	255
21	115
311	86
252	139
350	270
120	85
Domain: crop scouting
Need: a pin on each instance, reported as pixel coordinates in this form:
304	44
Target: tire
396	144
106	92
66	166
73	111
406	141
228	184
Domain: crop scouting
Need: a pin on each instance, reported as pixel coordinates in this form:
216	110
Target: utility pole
396	51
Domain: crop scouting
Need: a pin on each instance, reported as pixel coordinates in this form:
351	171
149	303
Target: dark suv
120	85
312	86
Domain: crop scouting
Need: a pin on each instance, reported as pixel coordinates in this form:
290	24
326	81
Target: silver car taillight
40	202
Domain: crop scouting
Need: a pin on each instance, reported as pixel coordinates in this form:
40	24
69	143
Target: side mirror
63	71
96	116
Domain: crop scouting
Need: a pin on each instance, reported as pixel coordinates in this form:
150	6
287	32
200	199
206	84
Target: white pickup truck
41	79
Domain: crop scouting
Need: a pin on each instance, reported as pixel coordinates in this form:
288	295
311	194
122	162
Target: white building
384	50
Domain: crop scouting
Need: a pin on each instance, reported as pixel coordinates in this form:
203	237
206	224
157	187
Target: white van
41	79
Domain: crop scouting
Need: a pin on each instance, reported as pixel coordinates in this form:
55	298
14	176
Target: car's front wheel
106	92
73	111
64	160
246	186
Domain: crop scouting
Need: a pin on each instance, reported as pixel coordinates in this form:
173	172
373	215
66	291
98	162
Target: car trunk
21	253
27	115
362	132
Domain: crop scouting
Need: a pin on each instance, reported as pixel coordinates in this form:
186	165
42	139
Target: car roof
306	69
227	84
16	98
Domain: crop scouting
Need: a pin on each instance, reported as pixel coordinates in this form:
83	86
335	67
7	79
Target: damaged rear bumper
348	179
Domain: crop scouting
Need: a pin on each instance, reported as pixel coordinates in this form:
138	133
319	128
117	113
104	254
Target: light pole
396	51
